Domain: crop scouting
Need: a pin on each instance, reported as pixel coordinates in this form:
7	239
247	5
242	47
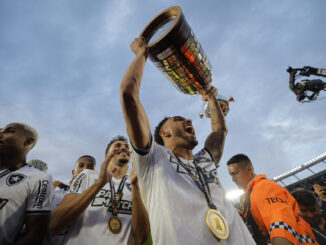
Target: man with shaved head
269	210
25	192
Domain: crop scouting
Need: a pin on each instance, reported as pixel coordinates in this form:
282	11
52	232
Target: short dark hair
304	197
158	139
240	159
119	137
89	156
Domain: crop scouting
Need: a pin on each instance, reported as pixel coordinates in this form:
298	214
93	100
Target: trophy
175	51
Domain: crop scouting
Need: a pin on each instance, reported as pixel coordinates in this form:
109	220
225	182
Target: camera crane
306	90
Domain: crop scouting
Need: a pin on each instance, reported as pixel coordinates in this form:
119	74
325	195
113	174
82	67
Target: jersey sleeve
41	194
273	210
205	155
141	160
80	183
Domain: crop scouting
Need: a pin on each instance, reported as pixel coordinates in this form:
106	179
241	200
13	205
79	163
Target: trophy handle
224	104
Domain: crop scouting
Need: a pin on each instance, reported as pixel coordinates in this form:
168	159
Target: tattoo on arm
215	143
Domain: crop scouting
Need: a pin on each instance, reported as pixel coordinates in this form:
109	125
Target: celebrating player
99	206
179	190
25	192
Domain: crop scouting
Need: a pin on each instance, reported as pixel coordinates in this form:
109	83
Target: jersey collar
254	181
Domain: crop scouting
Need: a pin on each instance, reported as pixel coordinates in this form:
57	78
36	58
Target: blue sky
61	63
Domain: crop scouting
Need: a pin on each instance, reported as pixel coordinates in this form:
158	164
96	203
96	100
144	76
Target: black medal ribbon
116	196
201	183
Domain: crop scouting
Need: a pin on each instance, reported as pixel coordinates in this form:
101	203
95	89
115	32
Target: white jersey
176	206
59	238
26	191
91	226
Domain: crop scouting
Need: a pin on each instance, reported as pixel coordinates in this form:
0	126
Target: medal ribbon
201	183
116	196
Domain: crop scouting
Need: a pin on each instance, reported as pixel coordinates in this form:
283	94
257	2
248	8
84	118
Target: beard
191	142
123	161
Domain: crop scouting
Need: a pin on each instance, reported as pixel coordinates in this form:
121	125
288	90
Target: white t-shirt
26	191
176	206
91	226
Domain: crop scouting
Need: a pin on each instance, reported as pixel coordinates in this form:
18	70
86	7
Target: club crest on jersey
128	186
15	178
210	175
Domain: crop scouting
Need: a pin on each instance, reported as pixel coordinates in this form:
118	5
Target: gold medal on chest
114	224
217	224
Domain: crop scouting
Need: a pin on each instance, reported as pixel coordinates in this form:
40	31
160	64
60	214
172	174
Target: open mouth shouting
190	130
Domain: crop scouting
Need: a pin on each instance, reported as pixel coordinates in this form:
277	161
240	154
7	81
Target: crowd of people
172	196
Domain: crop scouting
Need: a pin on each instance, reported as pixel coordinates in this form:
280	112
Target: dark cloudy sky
61	63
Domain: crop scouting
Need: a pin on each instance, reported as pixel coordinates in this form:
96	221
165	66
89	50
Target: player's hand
139	46
133	177
320	192
208	94
59	184
105	174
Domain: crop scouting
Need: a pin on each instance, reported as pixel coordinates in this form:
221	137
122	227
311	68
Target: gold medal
217	224
114	224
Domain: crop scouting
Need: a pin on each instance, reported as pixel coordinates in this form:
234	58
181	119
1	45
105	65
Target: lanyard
201	183
116	196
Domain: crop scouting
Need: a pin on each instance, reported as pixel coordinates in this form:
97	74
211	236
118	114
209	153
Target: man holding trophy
181	191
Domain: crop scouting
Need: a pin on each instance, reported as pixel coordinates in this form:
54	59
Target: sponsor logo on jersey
77	183
15	178
41	195
272	200
103	198
3	202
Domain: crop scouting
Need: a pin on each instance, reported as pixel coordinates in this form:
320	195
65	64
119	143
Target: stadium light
234	194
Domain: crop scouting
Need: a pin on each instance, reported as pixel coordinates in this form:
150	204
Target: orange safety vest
275	213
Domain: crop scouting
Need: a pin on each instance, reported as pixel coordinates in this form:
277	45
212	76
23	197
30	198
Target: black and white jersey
26	191
176	206
91	226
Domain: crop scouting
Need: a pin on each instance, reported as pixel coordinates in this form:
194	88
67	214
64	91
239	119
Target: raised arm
137	124
73	205
215	140
140	219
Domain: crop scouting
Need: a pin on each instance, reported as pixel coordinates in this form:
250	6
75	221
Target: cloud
61	64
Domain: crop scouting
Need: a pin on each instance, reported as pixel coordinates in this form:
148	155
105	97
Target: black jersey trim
145	151
212	156
4	173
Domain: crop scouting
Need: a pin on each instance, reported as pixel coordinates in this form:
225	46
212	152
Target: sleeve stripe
143	152
285	226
